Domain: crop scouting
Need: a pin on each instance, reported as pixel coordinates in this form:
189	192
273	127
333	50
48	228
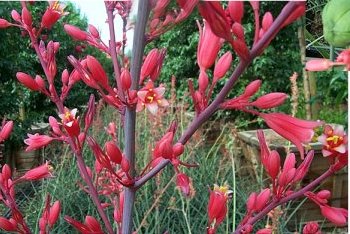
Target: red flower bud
183	182
252	88
270	100
97	71
264	231
240	47
6	225
27	17
125	79
251	202
178	149
40	81
75	32
65	77
273	164
6	130
236	10
4	23
125	164
6	172
262	199
27	81
203	81
89	116
238	31
298	12
93	224
49	18
113	152
311	228
304	167
324	194
93	31
222	66
149	64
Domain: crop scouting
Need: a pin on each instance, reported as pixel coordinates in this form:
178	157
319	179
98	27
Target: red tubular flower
78	225
6	130
27	81
338	216
217	206
52	14
222	66
70	122
311	228
236	10
6	225
38	173
125	79
208	47
334	140
270	100
151	98
93	225
4	23
75	32
240	47
93	31
267	21
37	141
264	231
252	88
238	30
183	182
203	81
304	167
215	15
298	12
273	164
295	130
262	199
318	65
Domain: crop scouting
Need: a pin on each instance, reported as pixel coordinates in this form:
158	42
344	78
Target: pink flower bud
54	125
6	130
54	213
37	141
113	152
270	100
27	81
338	216
318	65
262	199
6	225
289	163
222	66
298	12
236	10
65	77
183	182
49	18
304	167
89	117
252	88
267	21
125	79
4	23
27	17
38	173
203	81
93	31
75	32
40	81
238	30
251	202
264	231
324	194
16	16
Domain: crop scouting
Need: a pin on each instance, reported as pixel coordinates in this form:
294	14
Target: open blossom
52	14
70	122
295	130
217	207
334	140
151	98
37	141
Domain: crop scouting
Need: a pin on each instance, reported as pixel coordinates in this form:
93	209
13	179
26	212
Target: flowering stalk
212	108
